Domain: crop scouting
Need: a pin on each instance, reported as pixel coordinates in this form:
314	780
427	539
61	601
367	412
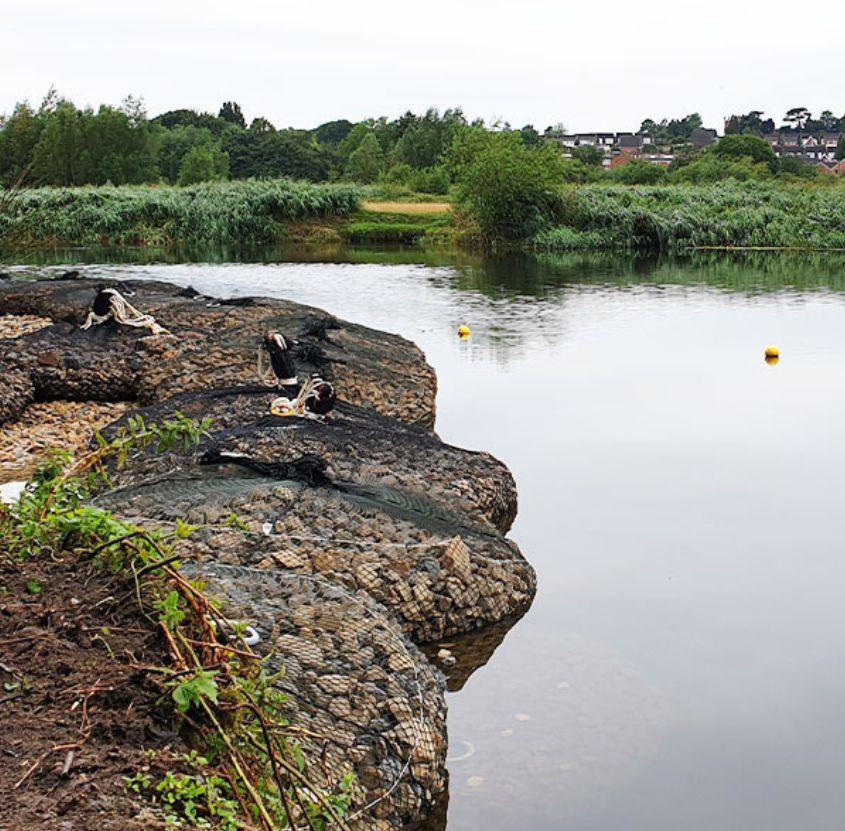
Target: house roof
703	136
630	140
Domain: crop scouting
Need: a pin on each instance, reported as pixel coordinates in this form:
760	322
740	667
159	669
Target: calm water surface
681	500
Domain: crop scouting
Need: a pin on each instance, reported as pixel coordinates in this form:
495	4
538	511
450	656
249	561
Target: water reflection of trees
742	271
522	302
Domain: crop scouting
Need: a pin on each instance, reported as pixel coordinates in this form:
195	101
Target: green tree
828	120
292	153
333	132
261	125
467	144
56	158
354	137
530	137
190	118
174	145
117	146
423	142
752	122
798	168
710	167
366	161
676	130
19	135
754	147
798	117
429	180
231	112
589	155
203	164
840	148
509	188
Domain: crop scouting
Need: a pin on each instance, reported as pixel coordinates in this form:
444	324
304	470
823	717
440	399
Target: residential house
812	148
703	137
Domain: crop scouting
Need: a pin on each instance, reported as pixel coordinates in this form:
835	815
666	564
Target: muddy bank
78	715
386	538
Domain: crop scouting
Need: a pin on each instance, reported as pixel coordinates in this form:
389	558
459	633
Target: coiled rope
298	407
122	311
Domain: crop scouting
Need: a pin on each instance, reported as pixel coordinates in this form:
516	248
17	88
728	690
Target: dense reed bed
218	212
672	217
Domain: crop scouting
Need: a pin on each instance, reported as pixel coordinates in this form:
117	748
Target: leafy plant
191	800
194	689
235	709
170	613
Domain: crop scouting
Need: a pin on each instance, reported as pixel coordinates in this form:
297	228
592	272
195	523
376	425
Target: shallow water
681	501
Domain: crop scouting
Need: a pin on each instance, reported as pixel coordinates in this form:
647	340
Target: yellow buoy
772	352
463	331
771	360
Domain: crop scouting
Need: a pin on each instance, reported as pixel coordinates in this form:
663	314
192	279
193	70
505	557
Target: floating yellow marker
771	360
463	331
772	352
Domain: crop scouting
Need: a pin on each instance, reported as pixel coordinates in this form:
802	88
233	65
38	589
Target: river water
682	502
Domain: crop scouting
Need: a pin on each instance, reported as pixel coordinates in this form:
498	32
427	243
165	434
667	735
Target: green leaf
194	689
183	530
171	614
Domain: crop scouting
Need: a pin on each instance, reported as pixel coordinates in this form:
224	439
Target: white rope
123	312
283	406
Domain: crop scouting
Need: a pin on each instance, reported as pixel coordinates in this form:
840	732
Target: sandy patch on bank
407	207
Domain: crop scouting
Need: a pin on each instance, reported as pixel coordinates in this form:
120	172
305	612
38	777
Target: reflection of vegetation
514	275
548	274
330	252
737	271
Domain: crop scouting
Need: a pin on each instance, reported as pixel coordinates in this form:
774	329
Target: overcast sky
591	65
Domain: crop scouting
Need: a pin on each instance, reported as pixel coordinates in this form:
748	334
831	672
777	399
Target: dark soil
77	710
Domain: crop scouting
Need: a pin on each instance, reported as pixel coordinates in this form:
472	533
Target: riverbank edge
440	707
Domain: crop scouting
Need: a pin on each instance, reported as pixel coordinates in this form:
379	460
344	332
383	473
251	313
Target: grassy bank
229	213
579	217
224	212
394	222
677	217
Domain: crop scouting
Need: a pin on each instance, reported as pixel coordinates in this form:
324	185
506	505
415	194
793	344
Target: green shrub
203	164
710	167
746	146
432	180
508	187
639	172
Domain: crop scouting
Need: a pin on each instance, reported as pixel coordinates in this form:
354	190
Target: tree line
60	144
796	119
